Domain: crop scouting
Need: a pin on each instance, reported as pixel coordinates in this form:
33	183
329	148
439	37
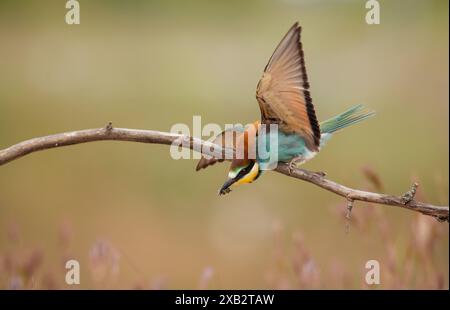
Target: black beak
226	186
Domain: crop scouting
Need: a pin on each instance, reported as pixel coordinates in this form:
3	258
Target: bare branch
149	136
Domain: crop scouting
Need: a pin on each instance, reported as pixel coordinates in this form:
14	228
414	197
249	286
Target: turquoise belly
288	147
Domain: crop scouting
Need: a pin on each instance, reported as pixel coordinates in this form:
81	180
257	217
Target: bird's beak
246	175
226	186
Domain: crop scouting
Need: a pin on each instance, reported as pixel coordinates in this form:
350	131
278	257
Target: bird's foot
292	166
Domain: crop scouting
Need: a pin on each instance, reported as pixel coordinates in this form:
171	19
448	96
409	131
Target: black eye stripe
245	170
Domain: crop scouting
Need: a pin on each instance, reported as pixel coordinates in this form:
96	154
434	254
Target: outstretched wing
227	139
283	91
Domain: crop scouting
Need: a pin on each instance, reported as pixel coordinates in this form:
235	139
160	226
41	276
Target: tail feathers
352	116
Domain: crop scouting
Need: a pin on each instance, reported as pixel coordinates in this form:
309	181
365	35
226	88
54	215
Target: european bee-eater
284	99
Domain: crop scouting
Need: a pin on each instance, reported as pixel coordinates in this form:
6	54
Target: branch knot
109	127
409	195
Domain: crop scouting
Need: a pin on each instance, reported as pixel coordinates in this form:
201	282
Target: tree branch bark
149	136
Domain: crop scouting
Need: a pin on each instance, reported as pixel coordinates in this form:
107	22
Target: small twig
348	215
109	127
321	174
409	195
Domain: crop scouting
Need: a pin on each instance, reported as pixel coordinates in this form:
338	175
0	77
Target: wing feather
283	91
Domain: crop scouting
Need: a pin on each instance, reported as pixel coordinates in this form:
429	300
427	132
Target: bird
284	98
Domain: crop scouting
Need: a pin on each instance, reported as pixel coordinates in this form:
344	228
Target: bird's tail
352	116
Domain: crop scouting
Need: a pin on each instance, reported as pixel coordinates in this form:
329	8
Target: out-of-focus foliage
134	217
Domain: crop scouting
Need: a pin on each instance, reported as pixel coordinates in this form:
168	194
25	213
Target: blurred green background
135	218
